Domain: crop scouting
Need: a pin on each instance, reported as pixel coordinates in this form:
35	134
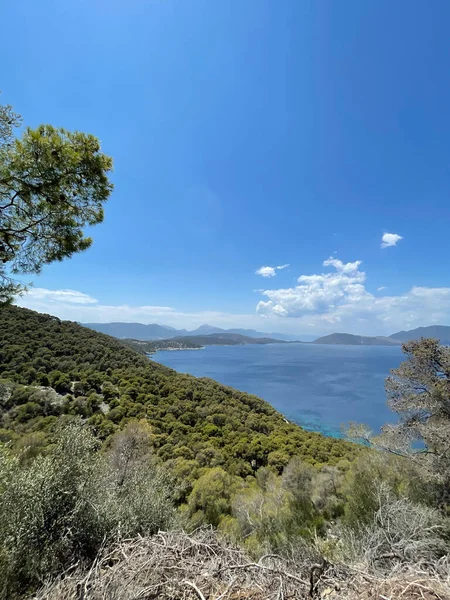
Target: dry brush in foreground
178	566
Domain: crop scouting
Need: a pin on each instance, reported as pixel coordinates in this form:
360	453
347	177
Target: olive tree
53	183
59	507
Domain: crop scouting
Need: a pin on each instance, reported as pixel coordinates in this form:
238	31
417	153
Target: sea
320	387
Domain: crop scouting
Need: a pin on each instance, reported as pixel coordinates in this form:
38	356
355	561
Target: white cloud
340	301
266	271
316	293
66	296
351	267
390	239
381	288
269	271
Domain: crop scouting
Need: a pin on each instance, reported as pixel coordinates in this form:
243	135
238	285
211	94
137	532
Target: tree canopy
53	183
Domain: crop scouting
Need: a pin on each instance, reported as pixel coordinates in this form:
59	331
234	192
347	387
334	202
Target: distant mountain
440	332
284	337
356	340
139	331
204	330
208	329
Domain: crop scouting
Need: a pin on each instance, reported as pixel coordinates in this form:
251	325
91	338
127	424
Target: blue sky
249	134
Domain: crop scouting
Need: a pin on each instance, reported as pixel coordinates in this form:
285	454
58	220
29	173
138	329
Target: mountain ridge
440	332
154	331
348	339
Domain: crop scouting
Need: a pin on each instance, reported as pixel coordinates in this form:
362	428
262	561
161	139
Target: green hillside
82	372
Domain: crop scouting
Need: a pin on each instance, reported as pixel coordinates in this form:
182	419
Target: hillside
107	383
223	339
440	332
356	340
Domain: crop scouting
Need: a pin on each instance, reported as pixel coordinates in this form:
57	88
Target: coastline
172	350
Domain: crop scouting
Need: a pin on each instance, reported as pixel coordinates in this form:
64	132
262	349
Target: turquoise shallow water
317	386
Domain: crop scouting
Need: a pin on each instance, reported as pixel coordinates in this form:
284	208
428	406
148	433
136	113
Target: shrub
59	508
401	531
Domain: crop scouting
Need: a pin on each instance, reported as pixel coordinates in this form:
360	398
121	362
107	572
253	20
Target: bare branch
200	595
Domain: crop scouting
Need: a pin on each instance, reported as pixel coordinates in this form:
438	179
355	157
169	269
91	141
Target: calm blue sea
319	387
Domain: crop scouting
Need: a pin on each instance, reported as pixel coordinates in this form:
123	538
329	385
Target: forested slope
197	421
